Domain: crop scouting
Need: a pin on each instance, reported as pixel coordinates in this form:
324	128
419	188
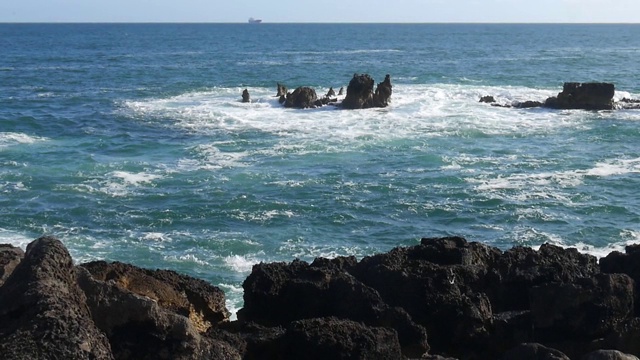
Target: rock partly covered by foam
588	96
360	93
445	298
576	95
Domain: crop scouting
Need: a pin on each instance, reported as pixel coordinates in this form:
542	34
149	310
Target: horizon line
328	22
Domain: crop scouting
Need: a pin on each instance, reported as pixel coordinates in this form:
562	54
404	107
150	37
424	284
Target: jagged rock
43	312
282	90
330	93
627	263
301	98
487	99
608	355
332	338
360	94
382	96
10	257
245	96
588	96
521	268
439	284
252	341
325	292
341	91
201	302
584	309
534	351
144	327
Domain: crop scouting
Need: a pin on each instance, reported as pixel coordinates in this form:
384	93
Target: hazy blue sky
320	11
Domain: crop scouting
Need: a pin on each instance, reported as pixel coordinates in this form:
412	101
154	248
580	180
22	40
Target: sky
300	11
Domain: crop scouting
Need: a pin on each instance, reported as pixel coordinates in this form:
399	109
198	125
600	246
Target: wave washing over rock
444	298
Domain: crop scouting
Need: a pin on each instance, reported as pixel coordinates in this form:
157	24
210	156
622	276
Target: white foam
11	138
234	300
14	238
118	183
415	111
242	263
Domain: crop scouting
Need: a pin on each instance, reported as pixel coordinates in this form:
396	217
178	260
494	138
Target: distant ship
254	21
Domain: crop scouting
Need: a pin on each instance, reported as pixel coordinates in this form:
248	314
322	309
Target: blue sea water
129	141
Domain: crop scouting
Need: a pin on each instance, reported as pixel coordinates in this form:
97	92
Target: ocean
129	142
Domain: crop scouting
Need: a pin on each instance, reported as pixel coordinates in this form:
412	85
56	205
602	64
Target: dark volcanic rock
325	292
332	338
282	90
43	312
141	327
330	93
608	355
439	284
527	104
588	96
487	99
627	263
360	94
521	268
10	257
382	96
245	96
195	299
534	351
301	98
587	308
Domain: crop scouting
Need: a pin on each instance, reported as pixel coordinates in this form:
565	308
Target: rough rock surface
534	351
195	299
472	300
43	312
10	257
332	338
301	98
148	327
360	93
588	96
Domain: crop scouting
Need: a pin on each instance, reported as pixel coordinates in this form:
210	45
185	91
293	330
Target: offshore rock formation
360	95
301	98
585	96
245	96
445	298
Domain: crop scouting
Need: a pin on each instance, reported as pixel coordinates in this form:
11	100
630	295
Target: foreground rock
445	298
43	312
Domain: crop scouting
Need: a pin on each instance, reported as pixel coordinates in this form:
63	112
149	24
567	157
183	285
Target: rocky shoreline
445	298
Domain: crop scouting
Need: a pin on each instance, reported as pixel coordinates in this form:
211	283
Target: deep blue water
129	143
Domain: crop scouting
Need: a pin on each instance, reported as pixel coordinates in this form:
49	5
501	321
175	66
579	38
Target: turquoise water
129	141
